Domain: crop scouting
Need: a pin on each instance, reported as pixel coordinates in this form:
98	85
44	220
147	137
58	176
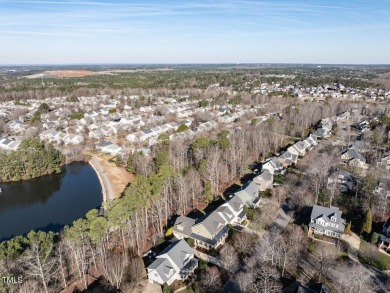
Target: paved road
104	177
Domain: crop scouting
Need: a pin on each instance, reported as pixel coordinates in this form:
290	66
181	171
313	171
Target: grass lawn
263	217
370	254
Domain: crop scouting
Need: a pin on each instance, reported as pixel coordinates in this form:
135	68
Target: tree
347	229
374	238
367	222
39	259
130	164
44	108
211	280
182	128
229	257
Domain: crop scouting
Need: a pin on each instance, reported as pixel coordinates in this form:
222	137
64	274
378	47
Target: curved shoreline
100	179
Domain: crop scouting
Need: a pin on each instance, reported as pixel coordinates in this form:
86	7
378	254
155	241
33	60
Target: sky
191	31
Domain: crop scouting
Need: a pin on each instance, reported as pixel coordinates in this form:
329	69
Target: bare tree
211	280
229	257
114	269
40	264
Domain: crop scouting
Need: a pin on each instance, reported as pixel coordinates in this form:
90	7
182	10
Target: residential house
298	149
385	161
273	165
310	142
16	126
209	231
383	189
249	194
9	144
72	139
326	221
109	148
351	157
343	178
176	262
264	180
288	159
49	135
361	146
384	237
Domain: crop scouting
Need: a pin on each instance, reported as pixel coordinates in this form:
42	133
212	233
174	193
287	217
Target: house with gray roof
264	180
298	149
384	237
211	230
288	158
352	157
310	142
176	262
343	178
249	194
326	221
273	165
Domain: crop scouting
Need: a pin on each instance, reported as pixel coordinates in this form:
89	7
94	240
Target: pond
49	202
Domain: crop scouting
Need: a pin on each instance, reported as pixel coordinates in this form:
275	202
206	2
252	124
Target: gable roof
248	192
186	223
327	213
353	154
178	252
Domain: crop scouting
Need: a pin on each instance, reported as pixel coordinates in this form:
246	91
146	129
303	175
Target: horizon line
192	63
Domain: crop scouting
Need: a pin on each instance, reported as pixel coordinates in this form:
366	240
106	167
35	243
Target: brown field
82	73
118	176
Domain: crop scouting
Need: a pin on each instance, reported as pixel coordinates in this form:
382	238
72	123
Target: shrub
190	242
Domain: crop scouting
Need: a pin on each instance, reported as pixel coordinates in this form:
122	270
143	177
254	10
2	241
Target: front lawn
370	254
263	216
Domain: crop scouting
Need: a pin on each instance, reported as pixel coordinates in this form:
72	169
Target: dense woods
32	159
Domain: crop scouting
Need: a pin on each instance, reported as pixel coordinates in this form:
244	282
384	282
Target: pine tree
130	164
367	222
348	228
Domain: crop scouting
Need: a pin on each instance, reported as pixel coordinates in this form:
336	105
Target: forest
32	159
13	86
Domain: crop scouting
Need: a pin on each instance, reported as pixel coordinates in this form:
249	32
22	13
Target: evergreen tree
130	164
367	222
348	228
374	238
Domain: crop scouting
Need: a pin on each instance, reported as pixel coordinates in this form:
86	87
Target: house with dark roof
176	262
343	178
384	237
352	157
326	221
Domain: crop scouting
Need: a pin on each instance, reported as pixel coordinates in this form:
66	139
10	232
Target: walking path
104	181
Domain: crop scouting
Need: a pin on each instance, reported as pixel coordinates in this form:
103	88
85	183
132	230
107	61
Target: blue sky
244	31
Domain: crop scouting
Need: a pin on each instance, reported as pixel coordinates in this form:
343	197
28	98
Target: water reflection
48	202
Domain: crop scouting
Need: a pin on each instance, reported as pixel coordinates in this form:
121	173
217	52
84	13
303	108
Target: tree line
32	159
